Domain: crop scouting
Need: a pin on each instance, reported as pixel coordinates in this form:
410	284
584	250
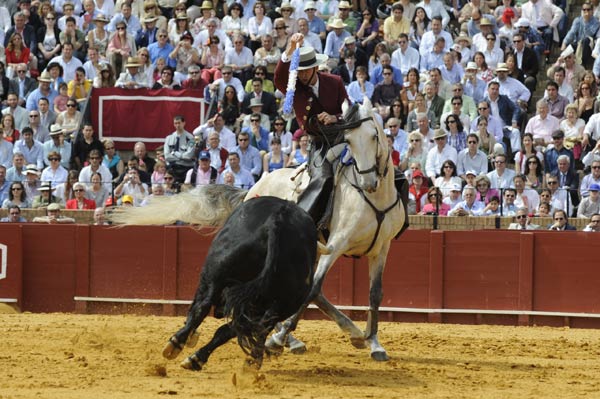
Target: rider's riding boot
401	184
315	197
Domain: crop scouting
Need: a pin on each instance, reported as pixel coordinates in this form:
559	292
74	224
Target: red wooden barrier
502	277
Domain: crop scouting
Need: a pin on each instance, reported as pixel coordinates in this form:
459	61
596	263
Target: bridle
376	167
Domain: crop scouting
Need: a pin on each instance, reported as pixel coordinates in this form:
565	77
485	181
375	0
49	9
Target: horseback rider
318	98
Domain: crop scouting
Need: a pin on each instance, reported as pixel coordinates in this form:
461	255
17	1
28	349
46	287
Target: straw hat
285	5
149	18
56	129
337	23
502	67
344	5
439	133
485	21
464	37
45	77
206	5
133	62
101	18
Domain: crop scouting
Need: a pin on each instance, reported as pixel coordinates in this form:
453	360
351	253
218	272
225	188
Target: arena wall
495	277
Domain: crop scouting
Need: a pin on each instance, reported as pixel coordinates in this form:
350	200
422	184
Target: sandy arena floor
66	356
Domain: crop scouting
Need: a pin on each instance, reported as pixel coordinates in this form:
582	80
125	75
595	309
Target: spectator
202	174
179	149
556	102
9	133
53	216
166	80
4	184
16	196
586	101
133	78
469	206
158	174
420	107
511	87
54	173
594	225
67	61
179	24
360	88
568	179
14	215
274	159
457	138
19	114
573	127
47	117
27	31
484	191
429	37
45	196
100	216
335	41
132	22
417	191
30	148
439	154
394	27
18	55
64	191
106	77
472	158
218	86
212	59
542	125
386	92
487	141
299	155
492	208
434	204
255	109
21	84
80	87
561	221
552	155
132	186
112	161
242	177
148	34
95	165
590	205
534	173
240	59
573	71
523	221
447	178
195	80
32	181
72	35
217	124
545	16
235	21
315	23
526	61
121	47
185	56
267	100
98	37
591	178
80	202
97	191
564	88
57	144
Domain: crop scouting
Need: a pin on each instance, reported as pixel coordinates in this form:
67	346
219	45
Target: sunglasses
226	73
532	162
78	190
240	140
254	120
452	121
94	157
109	148
168	178
517	41
472	142
559	218
521	217
120	28
482	108
33	116
552	182
595	167
499	162
16	189
21	71
53	159
71	105
390	126
386	73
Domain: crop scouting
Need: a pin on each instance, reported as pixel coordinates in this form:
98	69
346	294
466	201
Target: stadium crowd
454	84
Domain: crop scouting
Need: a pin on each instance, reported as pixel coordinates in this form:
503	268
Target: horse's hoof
192	363
358	342
172	349
253	364
380	356
297	347
272	348
192	340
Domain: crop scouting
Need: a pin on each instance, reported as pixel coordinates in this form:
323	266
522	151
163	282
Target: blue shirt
377	75
316	25
333	43
263	143
355	93
156	52
243	179
133	24
249	159
33	155
34	96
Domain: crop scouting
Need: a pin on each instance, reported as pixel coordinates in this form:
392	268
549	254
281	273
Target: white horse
367	215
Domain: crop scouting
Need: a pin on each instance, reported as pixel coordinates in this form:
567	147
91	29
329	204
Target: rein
333	135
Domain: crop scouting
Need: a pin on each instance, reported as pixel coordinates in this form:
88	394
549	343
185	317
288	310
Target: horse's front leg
198	359
376	266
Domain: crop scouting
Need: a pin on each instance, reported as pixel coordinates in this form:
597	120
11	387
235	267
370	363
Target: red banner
129	116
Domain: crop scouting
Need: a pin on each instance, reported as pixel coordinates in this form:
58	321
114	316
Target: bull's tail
252	315
208	205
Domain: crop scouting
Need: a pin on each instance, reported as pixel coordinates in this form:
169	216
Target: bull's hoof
192	363
253	364
273	348
192	340
297	347
172	349
358	342
380	356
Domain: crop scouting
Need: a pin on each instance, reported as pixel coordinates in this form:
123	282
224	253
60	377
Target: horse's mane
333	134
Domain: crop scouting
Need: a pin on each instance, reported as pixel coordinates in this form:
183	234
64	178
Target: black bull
258	272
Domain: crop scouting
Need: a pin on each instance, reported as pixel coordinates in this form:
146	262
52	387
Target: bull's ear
345	107
367	106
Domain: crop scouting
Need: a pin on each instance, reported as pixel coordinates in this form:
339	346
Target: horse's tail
208	205
253	315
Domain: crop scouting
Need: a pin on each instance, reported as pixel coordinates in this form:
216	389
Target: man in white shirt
472	159
405	57
501	177
429	38
440	153
433	9
239	58
67	61
217	124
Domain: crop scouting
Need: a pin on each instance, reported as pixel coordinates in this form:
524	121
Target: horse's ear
345	107
367	105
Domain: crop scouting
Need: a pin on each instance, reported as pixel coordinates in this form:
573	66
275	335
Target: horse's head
367	143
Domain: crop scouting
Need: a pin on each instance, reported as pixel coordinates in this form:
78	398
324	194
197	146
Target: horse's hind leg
197	313
198	359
